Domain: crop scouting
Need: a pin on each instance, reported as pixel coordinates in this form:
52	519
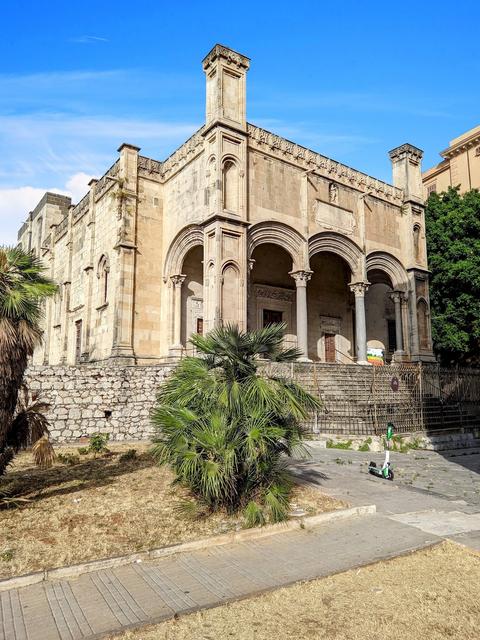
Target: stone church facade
238	225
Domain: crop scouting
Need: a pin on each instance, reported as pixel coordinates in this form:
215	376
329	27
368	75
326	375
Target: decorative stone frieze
278	146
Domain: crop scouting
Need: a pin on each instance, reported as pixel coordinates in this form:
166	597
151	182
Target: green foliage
334	444
98	443
453	241
83	451
23	290
129	455
223	426
365	446
68	458
7	555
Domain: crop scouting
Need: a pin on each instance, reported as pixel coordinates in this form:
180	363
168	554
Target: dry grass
103	507
431	595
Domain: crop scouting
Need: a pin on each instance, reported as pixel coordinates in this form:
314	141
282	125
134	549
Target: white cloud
88	39
16	203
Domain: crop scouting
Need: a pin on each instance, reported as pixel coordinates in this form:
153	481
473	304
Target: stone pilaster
359	290
89	270
126	195
301	278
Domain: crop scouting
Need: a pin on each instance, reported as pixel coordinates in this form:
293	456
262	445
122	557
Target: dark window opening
392	336
200	326
272	316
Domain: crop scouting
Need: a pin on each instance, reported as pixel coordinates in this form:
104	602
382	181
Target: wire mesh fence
362	399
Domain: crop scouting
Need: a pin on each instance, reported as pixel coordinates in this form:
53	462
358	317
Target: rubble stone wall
85	400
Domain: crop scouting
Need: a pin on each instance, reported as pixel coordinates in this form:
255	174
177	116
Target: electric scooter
385	472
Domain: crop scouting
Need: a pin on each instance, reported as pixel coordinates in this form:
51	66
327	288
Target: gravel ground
104	507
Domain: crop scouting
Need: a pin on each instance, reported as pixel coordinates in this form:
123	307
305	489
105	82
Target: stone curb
196	545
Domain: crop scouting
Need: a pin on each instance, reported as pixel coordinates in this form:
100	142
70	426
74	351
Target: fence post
420	386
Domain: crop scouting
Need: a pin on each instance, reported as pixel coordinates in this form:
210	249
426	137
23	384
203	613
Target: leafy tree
224	426
453	240
23	288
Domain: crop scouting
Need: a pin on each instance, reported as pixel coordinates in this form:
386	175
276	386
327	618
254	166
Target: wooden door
330	355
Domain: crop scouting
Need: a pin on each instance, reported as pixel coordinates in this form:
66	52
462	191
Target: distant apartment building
460	167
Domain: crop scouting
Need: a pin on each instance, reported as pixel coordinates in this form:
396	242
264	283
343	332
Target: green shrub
83	451
98	443
226	429
332	444
68	458
365	446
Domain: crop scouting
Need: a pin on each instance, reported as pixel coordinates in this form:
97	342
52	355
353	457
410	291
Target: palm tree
23	289
225	427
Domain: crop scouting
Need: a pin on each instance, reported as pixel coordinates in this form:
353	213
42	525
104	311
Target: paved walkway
97	603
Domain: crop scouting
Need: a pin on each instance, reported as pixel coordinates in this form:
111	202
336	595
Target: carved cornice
414	154
461	146
231	56
161	171
264	140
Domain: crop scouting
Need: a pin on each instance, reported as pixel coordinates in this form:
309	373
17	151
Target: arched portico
345	248
185	240
348	326
277	233
272	296
183	273
386	305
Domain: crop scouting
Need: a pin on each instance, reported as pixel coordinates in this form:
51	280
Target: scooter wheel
390	475
372	464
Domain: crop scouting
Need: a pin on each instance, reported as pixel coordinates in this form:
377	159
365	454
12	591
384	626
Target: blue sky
348	79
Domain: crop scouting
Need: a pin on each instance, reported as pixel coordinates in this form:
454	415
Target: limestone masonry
460	166
239	226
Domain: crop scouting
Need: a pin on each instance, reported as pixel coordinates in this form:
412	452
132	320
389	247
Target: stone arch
231	292
230	184
103	271
423	323
342	246
382	261
185	240
281	234
417	230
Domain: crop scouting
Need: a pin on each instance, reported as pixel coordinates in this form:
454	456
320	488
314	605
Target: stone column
177	282
396	296
359	289
301	278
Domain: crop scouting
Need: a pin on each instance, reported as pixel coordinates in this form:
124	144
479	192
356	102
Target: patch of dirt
102	507
432	595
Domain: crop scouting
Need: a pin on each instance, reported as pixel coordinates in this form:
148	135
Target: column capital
398	296
359	289
301	277
178	279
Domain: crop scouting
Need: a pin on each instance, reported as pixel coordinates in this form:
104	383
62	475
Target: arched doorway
331	310
272	290
192	295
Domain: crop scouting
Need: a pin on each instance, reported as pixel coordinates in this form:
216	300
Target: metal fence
415	397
